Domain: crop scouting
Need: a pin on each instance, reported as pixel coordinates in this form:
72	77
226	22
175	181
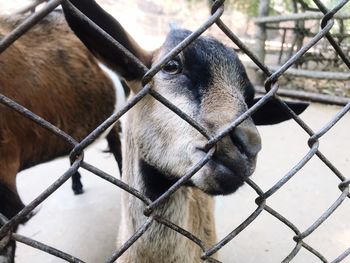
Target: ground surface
86	225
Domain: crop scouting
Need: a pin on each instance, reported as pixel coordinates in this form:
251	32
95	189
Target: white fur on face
163	138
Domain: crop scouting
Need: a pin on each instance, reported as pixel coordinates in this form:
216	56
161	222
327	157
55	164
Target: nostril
246	141
238	142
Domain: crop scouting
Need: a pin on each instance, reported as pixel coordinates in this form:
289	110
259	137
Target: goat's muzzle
233	162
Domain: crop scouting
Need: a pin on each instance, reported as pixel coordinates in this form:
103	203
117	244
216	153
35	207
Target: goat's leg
10	205
7	255
10	202
7	246
115	145
77	186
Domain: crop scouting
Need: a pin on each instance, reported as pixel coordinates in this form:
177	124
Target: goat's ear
104	50
272	113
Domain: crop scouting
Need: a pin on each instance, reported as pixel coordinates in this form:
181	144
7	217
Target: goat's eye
173	67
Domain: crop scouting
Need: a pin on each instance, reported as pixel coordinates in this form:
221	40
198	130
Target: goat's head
207	81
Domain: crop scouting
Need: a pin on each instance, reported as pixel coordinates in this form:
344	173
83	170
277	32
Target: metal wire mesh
271	86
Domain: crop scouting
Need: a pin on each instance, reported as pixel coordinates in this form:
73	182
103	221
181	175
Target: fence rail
271	88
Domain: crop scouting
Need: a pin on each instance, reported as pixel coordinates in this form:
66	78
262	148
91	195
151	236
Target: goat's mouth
222	175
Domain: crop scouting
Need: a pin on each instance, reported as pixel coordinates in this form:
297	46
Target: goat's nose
247	140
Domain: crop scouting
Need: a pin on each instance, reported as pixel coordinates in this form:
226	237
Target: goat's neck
188	208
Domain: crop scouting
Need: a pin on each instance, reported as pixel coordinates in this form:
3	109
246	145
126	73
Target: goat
51	73
209	83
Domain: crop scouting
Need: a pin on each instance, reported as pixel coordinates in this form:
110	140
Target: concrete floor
86	225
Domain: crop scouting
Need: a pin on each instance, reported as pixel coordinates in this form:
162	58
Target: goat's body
60	86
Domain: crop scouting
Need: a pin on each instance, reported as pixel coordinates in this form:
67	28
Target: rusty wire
271	87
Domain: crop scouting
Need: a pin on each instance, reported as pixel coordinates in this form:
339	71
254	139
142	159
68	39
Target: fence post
260	37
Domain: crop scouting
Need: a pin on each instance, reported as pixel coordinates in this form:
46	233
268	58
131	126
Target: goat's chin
217	178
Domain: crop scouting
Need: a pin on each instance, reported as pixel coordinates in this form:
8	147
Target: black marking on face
249	93
204	62
195	75
156	182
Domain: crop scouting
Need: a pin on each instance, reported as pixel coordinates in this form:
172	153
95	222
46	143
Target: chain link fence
271	87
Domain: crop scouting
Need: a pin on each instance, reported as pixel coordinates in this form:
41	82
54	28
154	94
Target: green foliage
248	7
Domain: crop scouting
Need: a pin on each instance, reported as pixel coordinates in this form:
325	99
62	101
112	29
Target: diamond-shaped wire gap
236	231
330	235
320	49
294	251
292	172
298	247
307	195
325	215
41	197
296	231
325	131
230	212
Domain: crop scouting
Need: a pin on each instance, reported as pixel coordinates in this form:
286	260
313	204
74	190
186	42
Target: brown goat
51	73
